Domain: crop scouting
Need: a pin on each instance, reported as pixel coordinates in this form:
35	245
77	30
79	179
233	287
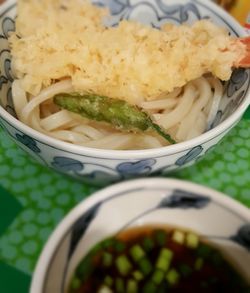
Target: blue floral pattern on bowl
190	156
29	142
8	25
242	236
88	172
64	164
143	167
158	11
238	79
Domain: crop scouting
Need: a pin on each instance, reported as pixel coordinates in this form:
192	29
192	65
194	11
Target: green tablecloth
34	199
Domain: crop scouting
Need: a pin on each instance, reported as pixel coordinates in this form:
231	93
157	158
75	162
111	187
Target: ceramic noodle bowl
107	166
214	217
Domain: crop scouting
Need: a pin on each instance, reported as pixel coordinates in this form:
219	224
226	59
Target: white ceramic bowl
219	219
106	166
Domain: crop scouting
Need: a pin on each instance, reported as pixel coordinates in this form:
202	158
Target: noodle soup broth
156	259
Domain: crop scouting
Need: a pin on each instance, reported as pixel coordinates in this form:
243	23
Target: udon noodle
184	113
172	75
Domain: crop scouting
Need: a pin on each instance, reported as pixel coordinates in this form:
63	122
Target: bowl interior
173	203
150	12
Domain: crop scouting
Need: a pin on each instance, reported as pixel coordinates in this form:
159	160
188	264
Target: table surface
33	199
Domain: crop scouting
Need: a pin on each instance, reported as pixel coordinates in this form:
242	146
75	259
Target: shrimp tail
244	62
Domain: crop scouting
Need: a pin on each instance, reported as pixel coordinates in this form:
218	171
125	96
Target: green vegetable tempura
116	112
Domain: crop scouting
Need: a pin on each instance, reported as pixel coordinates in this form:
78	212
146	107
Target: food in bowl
99	164
183	210
132	83
152	259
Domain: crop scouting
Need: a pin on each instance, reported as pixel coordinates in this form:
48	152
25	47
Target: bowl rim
67	222
207	136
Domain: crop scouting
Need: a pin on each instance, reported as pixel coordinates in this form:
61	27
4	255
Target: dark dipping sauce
149	259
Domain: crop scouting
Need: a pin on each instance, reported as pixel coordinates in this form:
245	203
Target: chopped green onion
198	263
158	277
163	263
137	252
119	285
108	243
138	275
85	268
150	287
148	243
75	283
98	247
132	286
123	265
173	277
192	240
145	266
185	270
119	246
178	237
107	259
203	251
160	237
166	253
105	289
108	281
164	259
